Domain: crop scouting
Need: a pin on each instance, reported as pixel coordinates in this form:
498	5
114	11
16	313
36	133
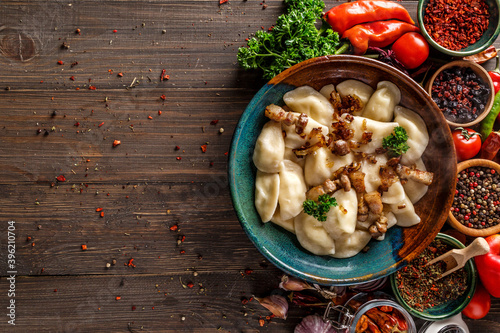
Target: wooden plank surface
52	124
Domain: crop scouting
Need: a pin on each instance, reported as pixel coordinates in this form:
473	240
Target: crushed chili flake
133	308
92	88
190	285
162	75
61	178
178	158
203	148
78	31
174	227
60	62
120	74
149	117
77	124
84	247
74	64
72	78
102	214
116	143
248	271
182	252
101	124
222	1
214	122
159	112
99	209
261	322
163	97
130	263
115	31
177	147
118	298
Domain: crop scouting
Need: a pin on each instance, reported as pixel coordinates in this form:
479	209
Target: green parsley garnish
294	38
395	143
319	209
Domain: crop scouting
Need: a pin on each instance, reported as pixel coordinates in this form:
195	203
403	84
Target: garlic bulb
314	324
277	304
291	283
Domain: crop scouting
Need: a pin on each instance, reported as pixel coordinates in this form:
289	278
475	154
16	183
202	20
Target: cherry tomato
467	143
479	305
411	49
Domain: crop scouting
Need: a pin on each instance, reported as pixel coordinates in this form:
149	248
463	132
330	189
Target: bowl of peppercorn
420	289
463	91
476	206
459	28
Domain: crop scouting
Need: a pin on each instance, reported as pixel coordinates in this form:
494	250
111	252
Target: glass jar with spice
364	310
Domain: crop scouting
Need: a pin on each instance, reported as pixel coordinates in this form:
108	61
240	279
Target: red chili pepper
378	34
349	14
495	76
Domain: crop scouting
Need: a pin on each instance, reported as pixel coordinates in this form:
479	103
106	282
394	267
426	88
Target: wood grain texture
52	124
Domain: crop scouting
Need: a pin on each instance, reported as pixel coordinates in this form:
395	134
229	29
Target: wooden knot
18	46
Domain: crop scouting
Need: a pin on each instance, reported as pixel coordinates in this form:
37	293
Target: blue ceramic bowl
452	307
488	38
401	244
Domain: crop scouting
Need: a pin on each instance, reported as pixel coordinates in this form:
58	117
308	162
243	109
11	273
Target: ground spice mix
456	24
419	285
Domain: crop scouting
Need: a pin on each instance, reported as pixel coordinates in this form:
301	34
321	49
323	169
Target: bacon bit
77	124
178	158
72	78
118	298
174	227
214	122
98	209
163	97
102	214
115	31
60	62
190	285
130	263
203	148
149	117
159	112
84	247
92	88
116	143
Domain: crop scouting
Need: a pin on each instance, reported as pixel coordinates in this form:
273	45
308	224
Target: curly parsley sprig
395	143
294	38
319	209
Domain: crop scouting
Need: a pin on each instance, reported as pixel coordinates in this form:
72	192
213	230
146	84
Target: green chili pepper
487	123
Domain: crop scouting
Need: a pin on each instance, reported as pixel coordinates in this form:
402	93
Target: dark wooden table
141	236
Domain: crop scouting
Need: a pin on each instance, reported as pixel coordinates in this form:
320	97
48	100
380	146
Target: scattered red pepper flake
177	147
115	31
72	78
60	62
78	31
74	64
84	247
102	214
248	271
118	298
178	158
33	244
261	322
182	252
222	1
162	75
190	285
116	143
159	112
203	148
130	263
61	178
226	153
120	74
92	88
149	117
133	308
166	77
55	290
77	124
214	122
163	97
174	227
99	209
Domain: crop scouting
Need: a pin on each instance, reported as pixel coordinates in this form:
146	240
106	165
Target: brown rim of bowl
478	69
454	222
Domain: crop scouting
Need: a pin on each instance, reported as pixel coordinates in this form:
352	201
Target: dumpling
321	164
292	189
351	244
327	90
418	137
293	140
341	220
379	129
381	104
269	148
405	213
267	187
413	189
395	193
307	100
290	155
312	236
286	224
357	88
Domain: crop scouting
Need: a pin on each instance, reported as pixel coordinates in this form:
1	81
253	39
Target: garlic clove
291	283
277	304
314	324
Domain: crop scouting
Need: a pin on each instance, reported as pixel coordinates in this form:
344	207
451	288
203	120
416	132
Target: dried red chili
458	24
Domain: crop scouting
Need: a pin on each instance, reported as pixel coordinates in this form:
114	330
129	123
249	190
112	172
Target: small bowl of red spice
461	27
476	206
420	289
463	91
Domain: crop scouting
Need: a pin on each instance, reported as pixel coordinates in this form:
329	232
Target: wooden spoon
456	258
